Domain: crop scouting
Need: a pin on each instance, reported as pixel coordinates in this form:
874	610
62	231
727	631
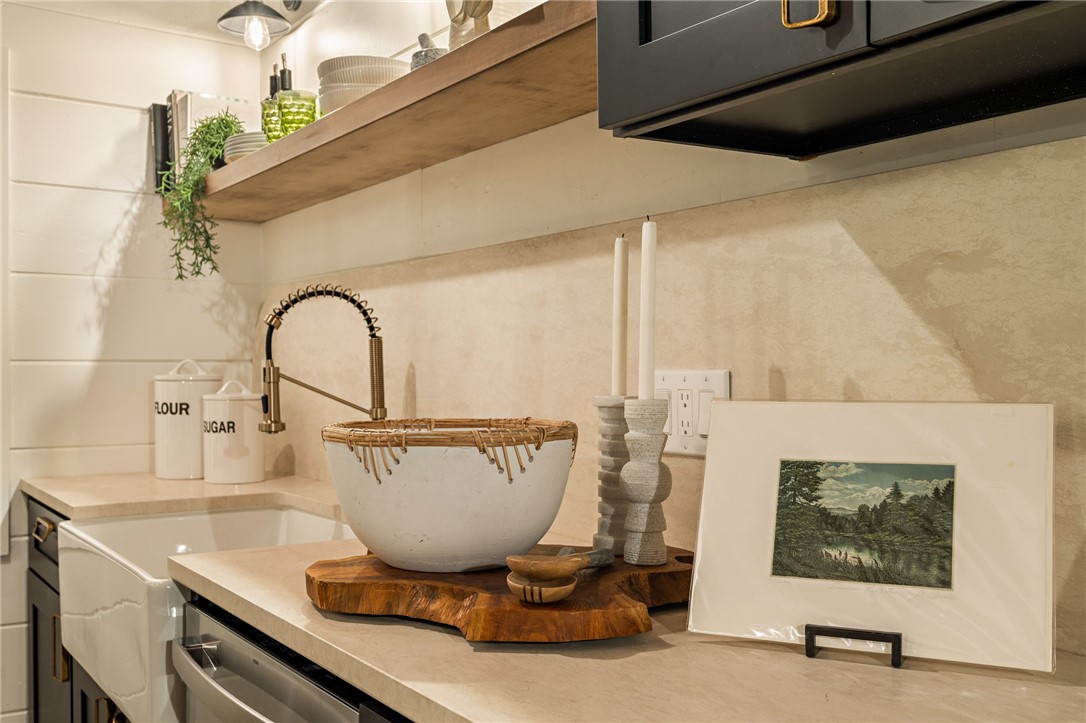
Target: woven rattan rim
449	432
485	435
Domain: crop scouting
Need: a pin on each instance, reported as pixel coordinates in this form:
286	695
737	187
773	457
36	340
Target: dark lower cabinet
90	704
49	668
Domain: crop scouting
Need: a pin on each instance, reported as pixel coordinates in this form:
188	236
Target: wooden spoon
540	591
538	568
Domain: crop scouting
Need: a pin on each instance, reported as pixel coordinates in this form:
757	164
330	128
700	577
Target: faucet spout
271	422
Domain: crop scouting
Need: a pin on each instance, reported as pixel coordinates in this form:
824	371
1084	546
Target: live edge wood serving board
608	602
536	70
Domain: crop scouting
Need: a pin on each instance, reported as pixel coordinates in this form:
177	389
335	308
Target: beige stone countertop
141	493
429	672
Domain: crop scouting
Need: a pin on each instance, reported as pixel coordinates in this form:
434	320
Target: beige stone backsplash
962	281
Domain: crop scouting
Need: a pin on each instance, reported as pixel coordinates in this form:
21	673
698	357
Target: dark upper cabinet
658	55
731	75
895	20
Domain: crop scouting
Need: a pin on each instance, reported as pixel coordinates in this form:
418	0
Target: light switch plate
690	394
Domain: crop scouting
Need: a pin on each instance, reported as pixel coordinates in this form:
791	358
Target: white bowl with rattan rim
450	495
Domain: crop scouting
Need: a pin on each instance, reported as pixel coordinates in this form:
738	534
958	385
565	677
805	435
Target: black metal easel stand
878	636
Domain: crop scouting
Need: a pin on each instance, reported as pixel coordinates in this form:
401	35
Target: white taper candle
618	317
646	357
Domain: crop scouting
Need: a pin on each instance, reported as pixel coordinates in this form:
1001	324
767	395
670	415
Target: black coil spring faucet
270	398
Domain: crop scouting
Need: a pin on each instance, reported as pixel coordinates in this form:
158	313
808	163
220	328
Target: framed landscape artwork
929	519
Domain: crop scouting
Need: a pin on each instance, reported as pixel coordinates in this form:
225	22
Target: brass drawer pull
827	13
65	673
98	706
41	523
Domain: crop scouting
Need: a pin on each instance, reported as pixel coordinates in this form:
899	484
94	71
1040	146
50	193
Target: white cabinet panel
79	144
13	583
19	717
13	663
107	233
84	318
16	509
87	404
95	60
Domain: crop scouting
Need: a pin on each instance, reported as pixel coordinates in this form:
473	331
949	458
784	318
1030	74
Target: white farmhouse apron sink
120	609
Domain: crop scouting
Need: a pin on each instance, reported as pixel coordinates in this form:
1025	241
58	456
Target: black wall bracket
878	636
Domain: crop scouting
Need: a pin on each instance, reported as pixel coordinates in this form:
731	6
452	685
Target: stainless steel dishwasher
233	672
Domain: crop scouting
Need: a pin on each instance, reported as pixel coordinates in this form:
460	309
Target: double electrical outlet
690	395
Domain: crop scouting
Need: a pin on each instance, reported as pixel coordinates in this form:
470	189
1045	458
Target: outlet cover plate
690	393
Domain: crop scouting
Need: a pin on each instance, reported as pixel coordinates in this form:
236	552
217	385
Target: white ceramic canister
233	442
178	417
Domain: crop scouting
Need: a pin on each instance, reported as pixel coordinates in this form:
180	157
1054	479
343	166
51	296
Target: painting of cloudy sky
847	485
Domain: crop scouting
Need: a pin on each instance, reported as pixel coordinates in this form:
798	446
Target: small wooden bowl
540	591
537	568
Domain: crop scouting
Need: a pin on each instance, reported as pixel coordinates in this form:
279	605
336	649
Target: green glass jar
297	108
269	119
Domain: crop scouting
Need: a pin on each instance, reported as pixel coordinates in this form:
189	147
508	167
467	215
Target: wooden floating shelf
534	71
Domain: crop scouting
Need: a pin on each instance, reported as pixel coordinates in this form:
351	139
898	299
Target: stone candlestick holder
646	482
611	526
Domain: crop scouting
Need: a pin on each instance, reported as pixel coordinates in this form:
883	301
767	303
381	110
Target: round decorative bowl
334	97
361	69
450	495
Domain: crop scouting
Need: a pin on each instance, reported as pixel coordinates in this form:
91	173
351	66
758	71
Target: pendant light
255	22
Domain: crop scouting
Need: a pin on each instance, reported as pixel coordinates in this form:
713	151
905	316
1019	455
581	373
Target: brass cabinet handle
97	707
827	13
48	525
65	673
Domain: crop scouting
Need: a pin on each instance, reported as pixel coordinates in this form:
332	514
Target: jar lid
244	395
199	375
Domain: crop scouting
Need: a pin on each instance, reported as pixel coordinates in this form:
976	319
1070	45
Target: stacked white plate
349	77
242	144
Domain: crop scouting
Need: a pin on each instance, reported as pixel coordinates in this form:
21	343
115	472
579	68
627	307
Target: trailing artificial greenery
182	189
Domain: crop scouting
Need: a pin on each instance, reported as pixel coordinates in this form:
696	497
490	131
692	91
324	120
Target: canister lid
198	375
243	395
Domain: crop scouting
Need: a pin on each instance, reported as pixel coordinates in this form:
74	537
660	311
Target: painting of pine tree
889	524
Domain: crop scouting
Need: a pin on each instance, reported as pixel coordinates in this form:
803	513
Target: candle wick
647	217
623	236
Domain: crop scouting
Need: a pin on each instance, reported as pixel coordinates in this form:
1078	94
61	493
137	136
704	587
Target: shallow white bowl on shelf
232	157
247	147
331	99
361	69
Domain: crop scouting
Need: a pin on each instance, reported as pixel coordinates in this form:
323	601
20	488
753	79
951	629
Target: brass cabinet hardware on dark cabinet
827	12
42	529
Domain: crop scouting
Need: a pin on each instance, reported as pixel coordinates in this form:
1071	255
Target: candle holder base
610	528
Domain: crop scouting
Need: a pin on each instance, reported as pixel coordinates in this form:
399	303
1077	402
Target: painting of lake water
890	524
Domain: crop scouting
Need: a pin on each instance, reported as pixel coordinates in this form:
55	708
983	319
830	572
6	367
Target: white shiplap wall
91	309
